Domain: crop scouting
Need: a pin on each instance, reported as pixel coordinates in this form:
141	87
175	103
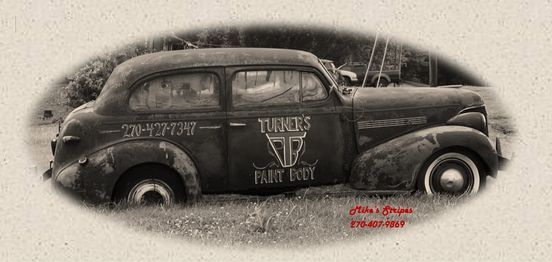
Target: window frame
217	71
233	70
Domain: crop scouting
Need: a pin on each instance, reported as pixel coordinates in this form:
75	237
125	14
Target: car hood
367	99
384	113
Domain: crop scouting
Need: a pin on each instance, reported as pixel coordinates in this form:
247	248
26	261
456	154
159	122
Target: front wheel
452	173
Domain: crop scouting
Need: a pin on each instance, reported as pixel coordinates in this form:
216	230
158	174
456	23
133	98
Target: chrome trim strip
109	131
406	121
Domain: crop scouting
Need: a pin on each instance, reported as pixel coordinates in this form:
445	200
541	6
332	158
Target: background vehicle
171	126
343	77
388	76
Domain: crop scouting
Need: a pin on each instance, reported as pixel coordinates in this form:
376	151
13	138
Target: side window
267	87
311	87
276	87
175	92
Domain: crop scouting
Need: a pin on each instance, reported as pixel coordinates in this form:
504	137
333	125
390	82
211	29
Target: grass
310	216
277	221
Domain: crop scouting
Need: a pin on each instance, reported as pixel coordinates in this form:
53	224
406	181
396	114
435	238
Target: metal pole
383	60
400	61
370	61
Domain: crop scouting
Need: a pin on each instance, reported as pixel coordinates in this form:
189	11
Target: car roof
138	67
218	57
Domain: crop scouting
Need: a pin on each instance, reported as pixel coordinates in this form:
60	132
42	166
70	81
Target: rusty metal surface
394	165
95	180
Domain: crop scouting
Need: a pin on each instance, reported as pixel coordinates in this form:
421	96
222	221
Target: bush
87	83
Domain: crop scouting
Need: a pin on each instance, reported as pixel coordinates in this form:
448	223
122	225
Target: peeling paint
69	178
163	146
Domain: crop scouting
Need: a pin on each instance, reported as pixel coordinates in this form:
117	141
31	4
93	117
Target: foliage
335	45
87	83
415	65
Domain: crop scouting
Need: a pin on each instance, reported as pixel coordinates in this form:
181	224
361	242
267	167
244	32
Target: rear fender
102	169
394	165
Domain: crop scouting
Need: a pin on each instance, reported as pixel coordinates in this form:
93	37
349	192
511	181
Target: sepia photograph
235	135
260	123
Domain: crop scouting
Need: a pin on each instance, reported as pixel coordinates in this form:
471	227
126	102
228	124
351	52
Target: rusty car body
171	126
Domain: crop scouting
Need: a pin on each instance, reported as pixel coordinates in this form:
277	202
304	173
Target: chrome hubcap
151	191
452	180
452	173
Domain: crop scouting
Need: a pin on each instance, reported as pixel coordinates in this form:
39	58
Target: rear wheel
150	185
452	173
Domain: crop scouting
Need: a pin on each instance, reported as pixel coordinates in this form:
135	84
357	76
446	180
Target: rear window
177	92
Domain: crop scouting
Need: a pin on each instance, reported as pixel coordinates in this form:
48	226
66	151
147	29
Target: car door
284	129
186	107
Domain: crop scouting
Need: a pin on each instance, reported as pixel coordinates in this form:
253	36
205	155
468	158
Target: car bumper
502	161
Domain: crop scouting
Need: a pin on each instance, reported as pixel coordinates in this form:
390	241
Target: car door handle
237	124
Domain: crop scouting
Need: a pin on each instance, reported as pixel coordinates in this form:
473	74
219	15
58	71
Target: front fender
98	175
394	165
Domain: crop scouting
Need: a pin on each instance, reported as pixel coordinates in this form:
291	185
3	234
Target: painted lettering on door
286	143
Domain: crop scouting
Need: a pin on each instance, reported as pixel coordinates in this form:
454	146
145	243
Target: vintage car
171	126
342	77
391	74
